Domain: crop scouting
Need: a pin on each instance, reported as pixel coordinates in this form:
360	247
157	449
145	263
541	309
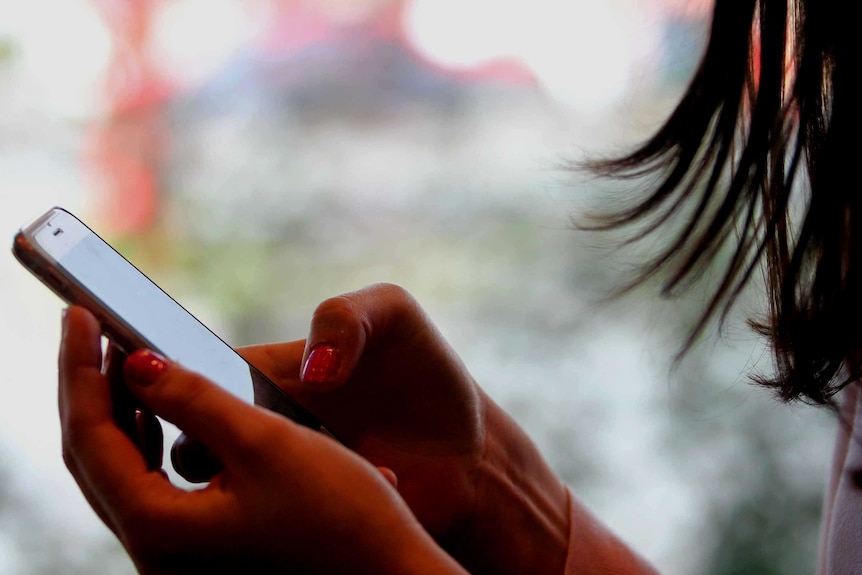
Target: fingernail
63	319
321	365
144	367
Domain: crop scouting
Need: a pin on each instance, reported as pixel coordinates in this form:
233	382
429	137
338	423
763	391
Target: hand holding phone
309	505
135	313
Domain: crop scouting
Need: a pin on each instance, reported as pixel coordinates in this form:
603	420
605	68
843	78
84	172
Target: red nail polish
321	365
144	367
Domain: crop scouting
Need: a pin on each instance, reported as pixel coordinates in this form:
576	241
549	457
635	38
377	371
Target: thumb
346	326
190	401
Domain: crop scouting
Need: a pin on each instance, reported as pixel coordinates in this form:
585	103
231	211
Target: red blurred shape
125	151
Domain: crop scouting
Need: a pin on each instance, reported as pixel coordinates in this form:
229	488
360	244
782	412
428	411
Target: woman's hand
377	372
380	376
287	499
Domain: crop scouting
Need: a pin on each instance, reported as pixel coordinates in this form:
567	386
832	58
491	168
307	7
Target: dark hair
757	156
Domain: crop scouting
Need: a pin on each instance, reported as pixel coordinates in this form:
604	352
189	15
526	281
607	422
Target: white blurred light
580	52
193	39
462	33
65	48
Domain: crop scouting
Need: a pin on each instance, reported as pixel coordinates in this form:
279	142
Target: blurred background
258	156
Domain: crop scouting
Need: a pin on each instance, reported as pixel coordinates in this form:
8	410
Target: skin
354	522
399	398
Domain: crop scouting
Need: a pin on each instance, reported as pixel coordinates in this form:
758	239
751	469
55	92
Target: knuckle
185	390
382	308
406	316
340	310
391	292
260	437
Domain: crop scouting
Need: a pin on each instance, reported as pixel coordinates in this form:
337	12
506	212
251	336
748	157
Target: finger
280	362
124	403
101	458
80	351
345	327
71	464
141	426
150	438
112	366
194	404
193	460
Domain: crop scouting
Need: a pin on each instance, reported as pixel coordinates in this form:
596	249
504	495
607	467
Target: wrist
526	521
520	522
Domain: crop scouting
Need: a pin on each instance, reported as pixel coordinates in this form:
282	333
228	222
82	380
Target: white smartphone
135	313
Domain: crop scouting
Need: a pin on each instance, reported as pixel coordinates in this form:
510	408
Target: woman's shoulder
840	551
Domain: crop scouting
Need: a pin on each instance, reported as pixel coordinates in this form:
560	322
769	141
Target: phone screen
164	325
82	268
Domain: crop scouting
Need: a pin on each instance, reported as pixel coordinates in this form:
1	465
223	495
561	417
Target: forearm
595	550
525	520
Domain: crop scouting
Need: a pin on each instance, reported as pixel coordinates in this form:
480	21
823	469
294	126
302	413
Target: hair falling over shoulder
760	156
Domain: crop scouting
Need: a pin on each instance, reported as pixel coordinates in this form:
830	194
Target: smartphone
135	313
